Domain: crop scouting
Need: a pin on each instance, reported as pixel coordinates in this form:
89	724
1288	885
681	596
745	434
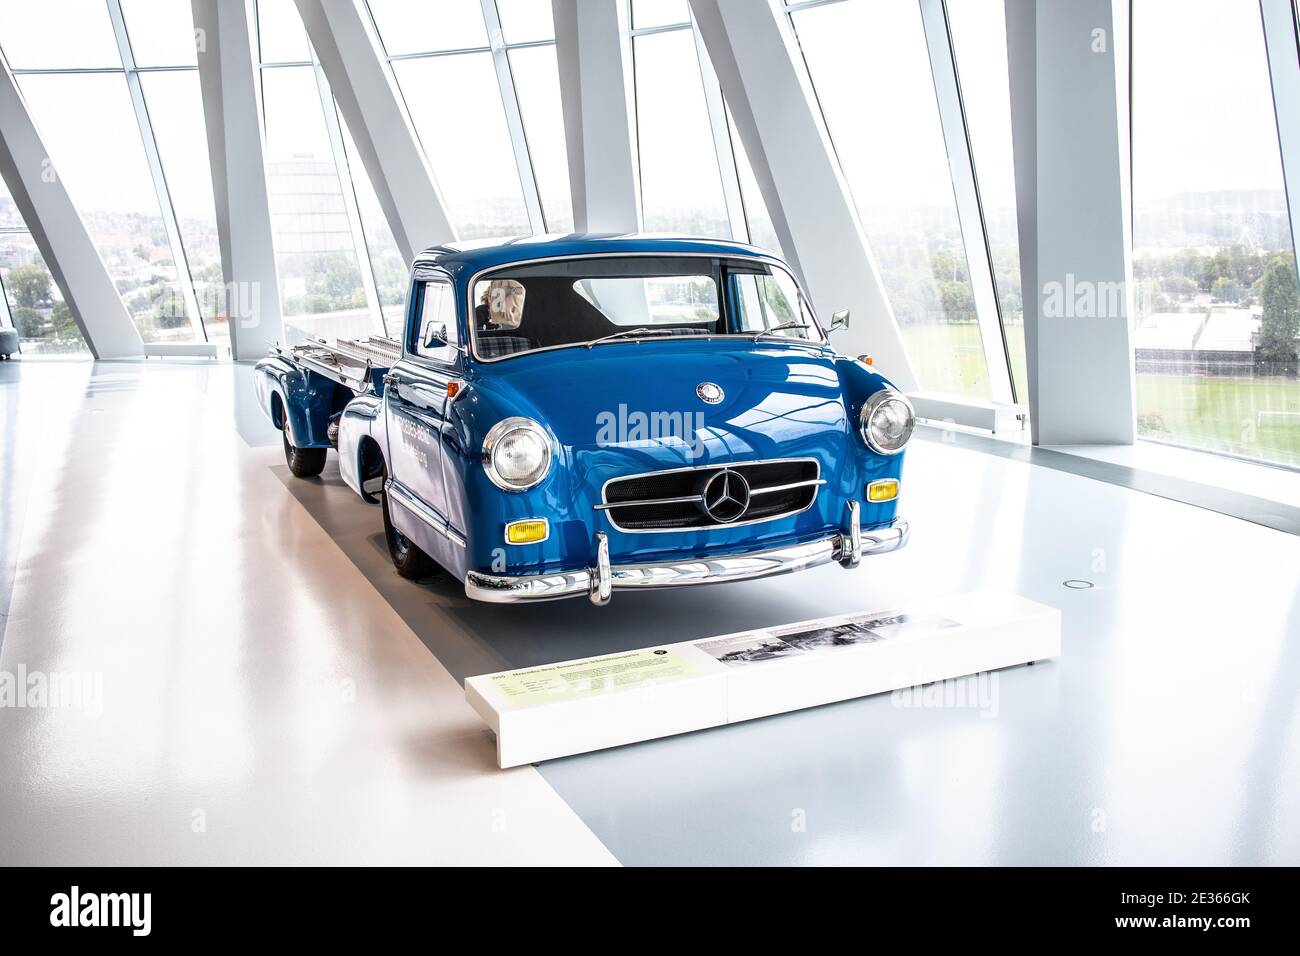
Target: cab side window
437	335
772	301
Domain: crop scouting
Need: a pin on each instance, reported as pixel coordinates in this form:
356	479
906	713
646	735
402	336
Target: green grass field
1223	414
1214	413
948	358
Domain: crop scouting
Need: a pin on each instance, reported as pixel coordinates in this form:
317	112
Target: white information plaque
572	707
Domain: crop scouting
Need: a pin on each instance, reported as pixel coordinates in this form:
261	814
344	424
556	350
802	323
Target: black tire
303	462
411	562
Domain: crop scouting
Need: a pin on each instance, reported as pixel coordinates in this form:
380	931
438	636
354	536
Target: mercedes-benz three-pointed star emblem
709	393
726	496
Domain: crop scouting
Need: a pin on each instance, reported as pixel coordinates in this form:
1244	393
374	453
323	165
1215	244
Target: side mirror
840	320
437	336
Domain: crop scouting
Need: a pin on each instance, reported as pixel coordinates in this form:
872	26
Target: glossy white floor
271	692
260	702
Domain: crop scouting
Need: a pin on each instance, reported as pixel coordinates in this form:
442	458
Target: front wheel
411	562
303	462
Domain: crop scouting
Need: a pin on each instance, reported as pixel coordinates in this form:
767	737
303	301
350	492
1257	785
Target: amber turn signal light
886	489
527	532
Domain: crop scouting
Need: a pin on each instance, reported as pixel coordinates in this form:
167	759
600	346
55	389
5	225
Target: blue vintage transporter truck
568	416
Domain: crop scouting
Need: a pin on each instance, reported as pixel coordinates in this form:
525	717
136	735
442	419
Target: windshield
605	301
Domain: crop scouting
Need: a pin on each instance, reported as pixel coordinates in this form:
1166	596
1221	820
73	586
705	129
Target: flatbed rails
350	362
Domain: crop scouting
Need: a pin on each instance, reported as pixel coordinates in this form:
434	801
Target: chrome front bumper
598	581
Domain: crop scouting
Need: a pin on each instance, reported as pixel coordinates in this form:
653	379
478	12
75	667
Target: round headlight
887	421
516	454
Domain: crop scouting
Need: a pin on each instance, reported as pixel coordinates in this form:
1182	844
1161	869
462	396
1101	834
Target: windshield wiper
780	328
626	332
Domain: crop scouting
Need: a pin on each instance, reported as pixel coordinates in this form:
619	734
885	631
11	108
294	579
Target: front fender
859	382
362	422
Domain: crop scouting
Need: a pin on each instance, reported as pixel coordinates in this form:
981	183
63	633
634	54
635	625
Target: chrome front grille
685	499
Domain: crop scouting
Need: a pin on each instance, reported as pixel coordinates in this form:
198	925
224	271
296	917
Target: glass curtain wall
979	42
340	273
681	178
480	83
695	176
118	107
31	303
1218	312
870	67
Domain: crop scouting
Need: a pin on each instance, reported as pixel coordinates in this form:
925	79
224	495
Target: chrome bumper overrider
597	581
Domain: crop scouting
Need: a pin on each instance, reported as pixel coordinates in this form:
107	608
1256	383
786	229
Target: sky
1203	109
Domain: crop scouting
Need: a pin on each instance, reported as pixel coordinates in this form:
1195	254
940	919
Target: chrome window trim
428	359
766	259
605	505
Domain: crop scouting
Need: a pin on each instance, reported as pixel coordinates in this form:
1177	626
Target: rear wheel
410	561
303	462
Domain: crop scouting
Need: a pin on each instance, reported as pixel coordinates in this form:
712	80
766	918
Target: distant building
1213	342
308	214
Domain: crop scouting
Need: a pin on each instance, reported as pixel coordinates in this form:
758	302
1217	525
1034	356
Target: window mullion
348	191
179	259
514	118
722	144
6	317
970	211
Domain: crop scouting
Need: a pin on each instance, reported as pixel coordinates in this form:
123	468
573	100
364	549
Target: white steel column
59	233
363	85
970	214
593	49
228	79
763	78
1284	71
1068	69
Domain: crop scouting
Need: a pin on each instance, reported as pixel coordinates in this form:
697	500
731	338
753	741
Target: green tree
948	266
29	285
1280	298
1226	290
1216	267
956	301
63	325
169	307
1179	286
29	323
